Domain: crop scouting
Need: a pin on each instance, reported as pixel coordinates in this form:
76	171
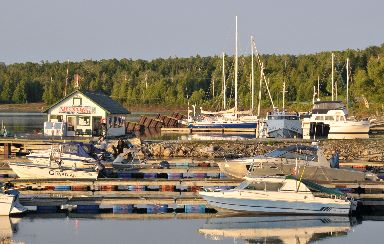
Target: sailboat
231	118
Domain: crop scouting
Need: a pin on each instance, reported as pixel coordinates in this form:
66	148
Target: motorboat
330	119
277	229
71	154
26	170
308	161
283	124
291	154
281	195
9	202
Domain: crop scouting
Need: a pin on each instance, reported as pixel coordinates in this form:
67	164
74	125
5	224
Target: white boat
280	195
40	171
282	124
330	119
72	154
9	203
277	229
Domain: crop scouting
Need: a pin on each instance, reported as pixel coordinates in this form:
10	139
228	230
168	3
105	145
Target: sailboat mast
236	64
260	85
224	88
333	85
318	88
347	81
252	77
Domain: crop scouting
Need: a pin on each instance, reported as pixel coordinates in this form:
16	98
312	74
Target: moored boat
281	195
36	171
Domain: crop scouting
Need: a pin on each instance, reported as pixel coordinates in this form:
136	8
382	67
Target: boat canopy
319	188
295	151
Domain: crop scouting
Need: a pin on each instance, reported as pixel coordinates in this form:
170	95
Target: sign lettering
77	110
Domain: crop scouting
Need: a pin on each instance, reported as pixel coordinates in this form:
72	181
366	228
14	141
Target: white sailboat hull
30	171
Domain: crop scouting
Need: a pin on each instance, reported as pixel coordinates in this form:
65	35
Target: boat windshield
295	151
261	186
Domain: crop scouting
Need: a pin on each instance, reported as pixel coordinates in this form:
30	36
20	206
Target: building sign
77	110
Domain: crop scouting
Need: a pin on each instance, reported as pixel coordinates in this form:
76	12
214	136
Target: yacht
330	119
277	229
281	195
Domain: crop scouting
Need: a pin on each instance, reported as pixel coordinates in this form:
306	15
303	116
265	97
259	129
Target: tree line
199	80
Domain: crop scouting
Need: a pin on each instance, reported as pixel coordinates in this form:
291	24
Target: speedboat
277	229
291	160
25	170
281	195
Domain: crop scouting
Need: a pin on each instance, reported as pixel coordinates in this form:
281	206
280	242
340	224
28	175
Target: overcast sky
36	30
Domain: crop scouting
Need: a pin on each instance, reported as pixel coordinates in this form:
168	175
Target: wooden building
86	113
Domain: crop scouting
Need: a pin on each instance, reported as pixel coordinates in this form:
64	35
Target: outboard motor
335	161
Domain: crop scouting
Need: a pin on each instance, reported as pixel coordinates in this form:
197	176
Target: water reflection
8	226
277	229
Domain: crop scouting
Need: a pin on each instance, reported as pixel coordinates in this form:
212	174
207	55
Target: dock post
7	150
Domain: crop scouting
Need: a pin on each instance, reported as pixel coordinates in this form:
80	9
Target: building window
76	101
84	120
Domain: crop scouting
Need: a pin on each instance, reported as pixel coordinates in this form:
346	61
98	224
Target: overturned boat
281	195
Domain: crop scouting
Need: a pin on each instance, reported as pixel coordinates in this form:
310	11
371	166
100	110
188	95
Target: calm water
63	229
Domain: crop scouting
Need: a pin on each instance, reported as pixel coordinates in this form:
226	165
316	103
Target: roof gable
101	99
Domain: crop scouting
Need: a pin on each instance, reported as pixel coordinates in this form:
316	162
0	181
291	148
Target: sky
51	30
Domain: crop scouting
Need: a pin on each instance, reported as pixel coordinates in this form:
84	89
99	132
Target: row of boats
327	119
280	181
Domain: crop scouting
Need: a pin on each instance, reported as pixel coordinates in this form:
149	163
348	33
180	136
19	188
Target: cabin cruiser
308	161
26	170
277	229
330	119
282	124
71	154
9	202
281	195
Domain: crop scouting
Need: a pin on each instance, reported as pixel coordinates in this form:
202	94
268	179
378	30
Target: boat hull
26	171
5	204
275	206
229	125
284	128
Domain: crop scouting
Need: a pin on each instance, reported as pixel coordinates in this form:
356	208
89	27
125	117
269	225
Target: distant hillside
175	81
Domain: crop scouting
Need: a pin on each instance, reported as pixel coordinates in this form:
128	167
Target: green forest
199	80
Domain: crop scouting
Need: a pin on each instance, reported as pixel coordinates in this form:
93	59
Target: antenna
66	79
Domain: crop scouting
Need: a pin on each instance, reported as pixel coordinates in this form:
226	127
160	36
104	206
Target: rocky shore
367	149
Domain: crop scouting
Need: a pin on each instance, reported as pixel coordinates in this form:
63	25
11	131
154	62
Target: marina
207	122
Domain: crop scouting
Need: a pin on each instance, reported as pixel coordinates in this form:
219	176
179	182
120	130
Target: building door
71	125
96	125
